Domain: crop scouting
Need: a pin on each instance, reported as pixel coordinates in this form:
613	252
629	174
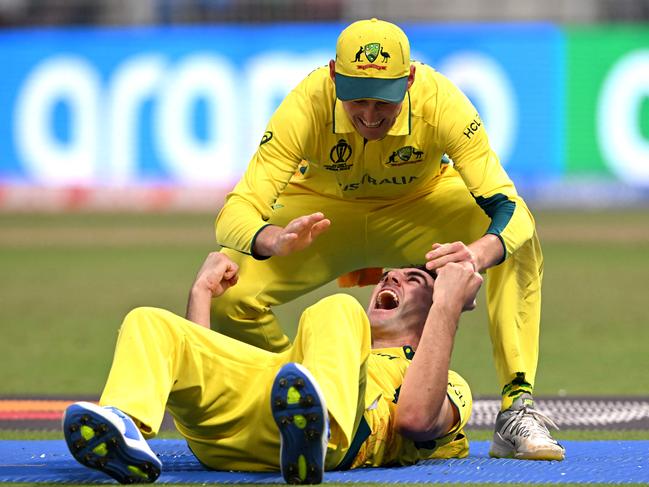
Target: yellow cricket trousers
218	389
388	234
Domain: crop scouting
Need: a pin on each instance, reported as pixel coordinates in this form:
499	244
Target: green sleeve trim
252	245
500	209
502	242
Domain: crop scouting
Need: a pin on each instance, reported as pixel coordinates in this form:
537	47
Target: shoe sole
498	451
96	443
300	413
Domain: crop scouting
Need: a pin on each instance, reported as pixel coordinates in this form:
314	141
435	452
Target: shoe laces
528	421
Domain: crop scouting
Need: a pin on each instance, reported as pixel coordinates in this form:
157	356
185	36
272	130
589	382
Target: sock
514	390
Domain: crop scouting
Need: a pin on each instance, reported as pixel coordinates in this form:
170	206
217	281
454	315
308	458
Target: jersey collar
406	351
343	125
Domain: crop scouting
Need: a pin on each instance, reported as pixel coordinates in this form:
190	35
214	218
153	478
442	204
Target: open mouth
372	125
387	299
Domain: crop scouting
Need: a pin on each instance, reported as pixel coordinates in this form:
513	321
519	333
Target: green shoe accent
87	432
301	467
133	469
299	421
100	450
293	395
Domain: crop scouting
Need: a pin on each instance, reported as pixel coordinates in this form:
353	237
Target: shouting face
401	300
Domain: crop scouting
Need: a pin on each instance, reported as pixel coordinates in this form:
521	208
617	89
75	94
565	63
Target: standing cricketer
352	173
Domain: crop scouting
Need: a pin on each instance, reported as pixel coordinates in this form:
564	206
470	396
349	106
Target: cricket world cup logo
339	155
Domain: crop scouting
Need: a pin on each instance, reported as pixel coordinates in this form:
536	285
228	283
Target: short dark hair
422	267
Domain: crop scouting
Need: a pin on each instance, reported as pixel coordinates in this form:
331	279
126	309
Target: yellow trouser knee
218	389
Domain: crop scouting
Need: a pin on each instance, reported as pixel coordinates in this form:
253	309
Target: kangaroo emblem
357	59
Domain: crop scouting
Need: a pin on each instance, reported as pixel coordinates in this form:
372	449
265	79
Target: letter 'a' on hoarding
619	125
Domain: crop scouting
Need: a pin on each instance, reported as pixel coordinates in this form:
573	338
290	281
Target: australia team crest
405	155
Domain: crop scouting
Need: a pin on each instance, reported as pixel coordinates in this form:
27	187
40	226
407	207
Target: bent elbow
417	425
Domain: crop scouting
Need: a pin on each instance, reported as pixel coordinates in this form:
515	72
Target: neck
411	339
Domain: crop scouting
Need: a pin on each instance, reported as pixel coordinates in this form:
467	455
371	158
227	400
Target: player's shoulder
430	92
426	77
425	92
317	83
317	89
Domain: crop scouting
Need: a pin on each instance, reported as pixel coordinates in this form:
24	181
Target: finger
439	250
318	215
300	223
470	306
320	227
229	273
439	262
308	221
442	260
458	255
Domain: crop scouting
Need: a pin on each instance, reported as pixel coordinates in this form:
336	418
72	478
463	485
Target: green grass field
68	280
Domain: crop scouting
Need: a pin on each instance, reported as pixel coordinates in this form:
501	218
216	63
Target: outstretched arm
217	274
297	235
424	411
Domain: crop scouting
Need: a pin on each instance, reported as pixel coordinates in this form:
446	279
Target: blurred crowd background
155	12
159	104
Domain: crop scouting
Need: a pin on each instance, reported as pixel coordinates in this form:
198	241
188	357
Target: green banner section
607	102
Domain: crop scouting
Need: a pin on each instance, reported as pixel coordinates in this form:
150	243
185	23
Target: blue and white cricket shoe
300	412
106	439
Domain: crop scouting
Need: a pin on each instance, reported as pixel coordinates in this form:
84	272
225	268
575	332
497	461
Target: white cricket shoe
522	433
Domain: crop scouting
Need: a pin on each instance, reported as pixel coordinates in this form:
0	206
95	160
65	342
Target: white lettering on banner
103	148
194	161
271	76
47	160
483	79
625	149
136	80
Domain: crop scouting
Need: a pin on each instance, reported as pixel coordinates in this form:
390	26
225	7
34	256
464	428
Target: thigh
217	374
220	400
338	250
402	233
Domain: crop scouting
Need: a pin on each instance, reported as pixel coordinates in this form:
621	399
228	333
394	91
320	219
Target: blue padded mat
586	462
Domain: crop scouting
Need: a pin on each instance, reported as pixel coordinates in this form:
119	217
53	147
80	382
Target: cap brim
390	90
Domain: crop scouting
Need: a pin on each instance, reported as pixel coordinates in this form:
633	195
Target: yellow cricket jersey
311	144
383	446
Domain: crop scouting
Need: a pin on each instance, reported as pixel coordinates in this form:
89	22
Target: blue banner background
530	56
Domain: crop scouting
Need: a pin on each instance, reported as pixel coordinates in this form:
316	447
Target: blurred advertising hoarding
106	115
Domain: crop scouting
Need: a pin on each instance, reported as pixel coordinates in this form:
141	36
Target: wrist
448	309
262	245
487	252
